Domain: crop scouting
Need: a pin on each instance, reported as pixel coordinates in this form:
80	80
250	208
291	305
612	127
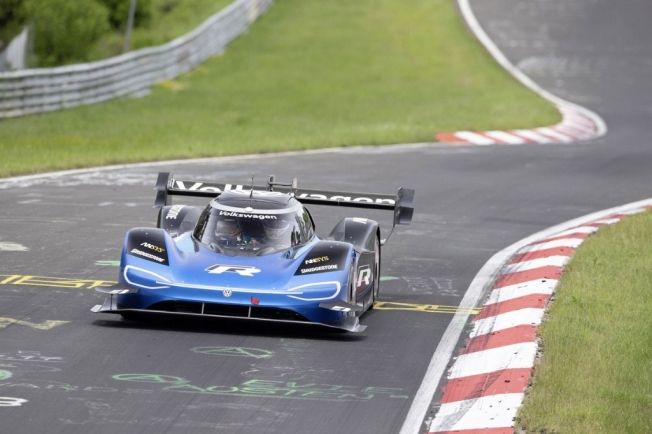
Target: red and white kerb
487	381
575	126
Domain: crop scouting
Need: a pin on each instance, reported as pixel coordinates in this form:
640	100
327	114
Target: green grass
309	74
169	20
596	372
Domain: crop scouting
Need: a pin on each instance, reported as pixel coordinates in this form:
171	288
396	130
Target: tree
65	29
12	19
119	9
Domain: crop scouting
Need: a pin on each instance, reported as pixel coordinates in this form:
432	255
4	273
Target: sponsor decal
150	246
248	215
197	186
173	212
364	276
324	257
138	252
242	270
328	267
317	260
218	188
336	198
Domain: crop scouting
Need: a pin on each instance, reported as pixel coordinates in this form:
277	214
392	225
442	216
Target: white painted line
510	292
607	221
572	243
514	356
634	211
476	139
554	134
577	230
574	129
531	135
505	137
495	411
527	316
7	246
554	261
574	117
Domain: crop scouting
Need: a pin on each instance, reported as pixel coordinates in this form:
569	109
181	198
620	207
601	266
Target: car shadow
229	326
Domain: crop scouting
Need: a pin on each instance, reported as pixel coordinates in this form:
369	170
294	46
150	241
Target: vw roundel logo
227	293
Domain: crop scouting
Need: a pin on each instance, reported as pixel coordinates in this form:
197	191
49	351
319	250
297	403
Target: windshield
252	233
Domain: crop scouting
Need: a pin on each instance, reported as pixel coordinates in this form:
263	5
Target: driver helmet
227	229
276	230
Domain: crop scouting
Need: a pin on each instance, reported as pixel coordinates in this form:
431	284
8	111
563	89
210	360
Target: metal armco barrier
46	89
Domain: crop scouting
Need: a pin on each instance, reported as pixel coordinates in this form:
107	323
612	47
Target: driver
228	232
277	232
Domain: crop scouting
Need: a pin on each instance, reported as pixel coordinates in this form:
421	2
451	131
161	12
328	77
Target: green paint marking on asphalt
270	388
4	374
255	353
107	263
388	278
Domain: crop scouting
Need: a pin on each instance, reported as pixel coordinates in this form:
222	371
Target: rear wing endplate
402	203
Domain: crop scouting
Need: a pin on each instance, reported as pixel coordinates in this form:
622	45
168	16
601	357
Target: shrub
119	10
65	29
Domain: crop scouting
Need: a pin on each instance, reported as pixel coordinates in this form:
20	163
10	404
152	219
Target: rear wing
402	203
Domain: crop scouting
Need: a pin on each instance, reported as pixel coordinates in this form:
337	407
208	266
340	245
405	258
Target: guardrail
46	89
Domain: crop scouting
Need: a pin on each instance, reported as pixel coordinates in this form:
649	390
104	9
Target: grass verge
595	375
309	74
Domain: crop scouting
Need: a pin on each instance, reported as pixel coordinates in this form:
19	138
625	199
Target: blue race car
253	254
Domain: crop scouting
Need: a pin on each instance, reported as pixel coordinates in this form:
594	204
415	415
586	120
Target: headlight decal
155	278
333	286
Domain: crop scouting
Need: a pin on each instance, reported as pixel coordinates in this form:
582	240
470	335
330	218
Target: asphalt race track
64	369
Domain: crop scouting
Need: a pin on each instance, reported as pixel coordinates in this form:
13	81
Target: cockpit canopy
248	231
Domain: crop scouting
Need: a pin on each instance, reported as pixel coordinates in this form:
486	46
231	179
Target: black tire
376	288
377	278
